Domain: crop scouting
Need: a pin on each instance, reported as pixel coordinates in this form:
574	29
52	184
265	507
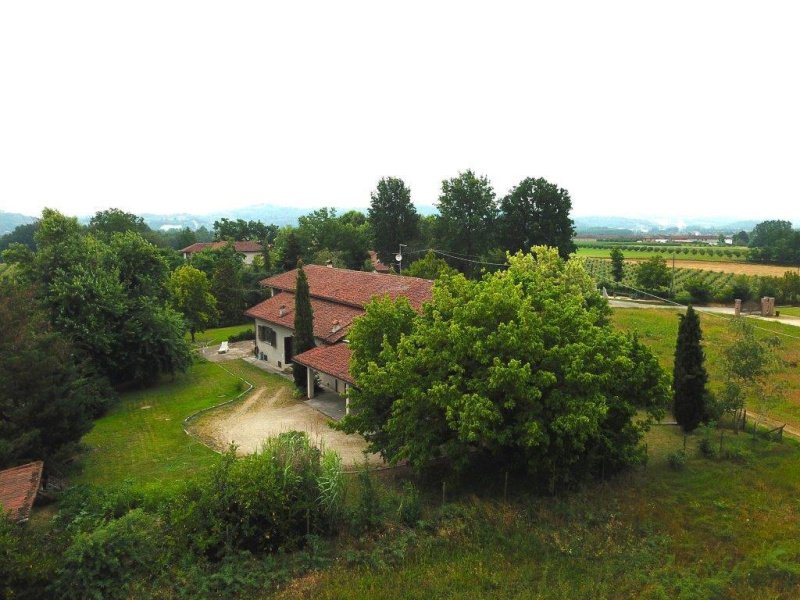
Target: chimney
282	310
336	326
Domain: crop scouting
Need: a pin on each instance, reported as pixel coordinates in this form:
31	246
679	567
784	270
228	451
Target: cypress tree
689	374
303	324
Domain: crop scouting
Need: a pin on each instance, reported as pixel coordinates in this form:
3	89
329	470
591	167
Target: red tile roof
376	262
325	315
354	288
333	360
18	488
246	246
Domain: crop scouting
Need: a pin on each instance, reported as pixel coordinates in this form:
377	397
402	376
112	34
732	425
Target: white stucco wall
273	355
249	256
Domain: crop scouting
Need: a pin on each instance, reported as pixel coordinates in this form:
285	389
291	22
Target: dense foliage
775	242
48	396
108	296
536	213
303	325
520	366
689	377
192	297
392	217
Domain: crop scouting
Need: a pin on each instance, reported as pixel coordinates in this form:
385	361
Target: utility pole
399	258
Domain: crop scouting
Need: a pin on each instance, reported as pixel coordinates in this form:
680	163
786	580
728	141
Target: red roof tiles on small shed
354	288
18	489
333	360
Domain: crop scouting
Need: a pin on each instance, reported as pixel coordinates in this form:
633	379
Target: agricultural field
658	329
590	249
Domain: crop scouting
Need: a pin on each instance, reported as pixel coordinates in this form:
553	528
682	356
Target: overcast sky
637	108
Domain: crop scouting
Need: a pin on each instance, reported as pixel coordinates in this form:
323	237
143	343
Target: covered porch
331	366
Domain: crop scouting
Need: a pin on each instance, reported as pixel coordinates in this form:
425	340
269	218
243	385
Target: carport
331	366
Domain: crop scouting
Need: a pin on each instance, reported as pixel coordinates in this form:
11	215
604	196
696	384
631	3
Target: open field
659	328
717	529
790	311
643	254
736	268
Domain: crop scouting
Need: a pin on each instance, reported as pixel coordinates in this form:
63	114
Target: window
267	334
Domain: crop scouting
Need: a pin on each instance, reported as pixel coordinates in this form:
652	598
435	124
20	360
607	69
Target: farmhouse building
249	249
338	296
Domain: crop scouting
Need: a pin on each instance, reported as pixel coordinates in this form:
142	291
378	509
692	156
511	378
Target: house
18	489
337	296
249	249
377	265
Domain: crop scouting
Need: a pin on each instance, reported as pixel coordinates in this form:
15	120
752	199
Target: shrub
699	290
263	502
676	460
247	334
410	509
367	515
707	447
103	563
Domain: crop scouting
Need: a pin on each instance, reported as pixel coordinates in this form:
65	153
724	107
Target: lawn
719	528
659	328
141	439
220	334
790	311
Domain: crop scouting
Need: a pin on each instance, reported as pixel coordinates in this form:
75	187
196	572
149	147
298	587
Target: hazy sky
637	108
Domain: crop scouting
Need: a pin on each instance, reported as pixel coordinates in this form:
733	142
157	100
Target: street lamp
399	258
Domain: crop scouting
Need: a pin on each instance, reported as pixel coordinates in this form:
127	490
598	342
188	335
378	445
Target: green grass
629	254
790	311
220	334
719	528
142	439
659	329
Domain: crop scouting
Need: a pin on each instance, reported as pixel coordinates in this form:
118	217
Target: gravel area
263	414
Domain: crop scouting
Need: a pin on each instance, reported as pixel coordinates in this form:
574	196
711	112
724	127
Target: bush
707	447
699	290
103	563
410	509
367	515
247	334
677	460
263	502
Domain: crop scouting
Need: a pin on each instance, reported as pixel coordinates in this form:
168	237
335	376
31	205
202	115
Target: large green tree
653	274
48	396
522	367
226	285
467	218
108	296
238	230
429	267
536	213
689	377
392	216
192	297
303	325
291	250
775	242
114	220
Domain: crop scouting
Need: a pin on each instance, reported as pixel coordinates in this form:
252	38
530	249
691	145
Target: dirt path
265	414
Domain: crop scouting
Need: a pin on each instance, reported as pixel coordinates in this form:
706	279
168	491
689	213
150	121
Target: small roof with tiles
331	320
354	288
18	489
332	360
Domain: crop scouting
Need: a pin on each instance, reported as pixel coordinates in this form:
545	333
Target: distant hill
10	221
625	226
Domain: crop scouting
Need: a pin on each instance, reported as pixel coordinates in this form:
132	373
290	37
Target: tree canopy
536	213
689	377
467	216
303	325
392	216
521	366
653	274
775	242
192	297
